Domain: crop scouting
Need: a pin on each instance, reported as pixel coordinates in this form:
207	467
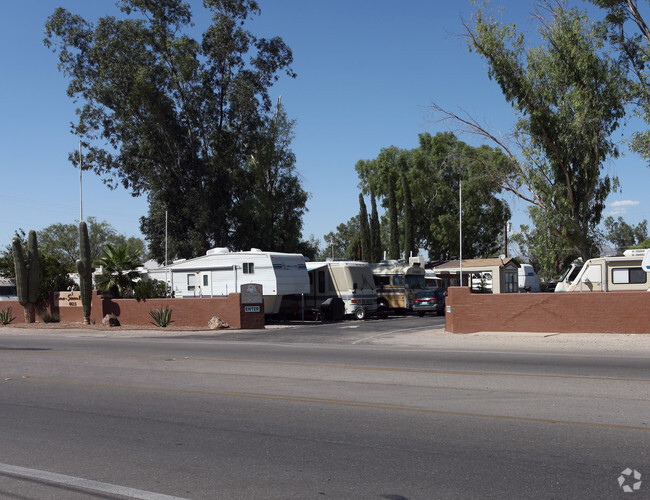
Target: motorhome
221	272
397	282
351	281
528	280
605	274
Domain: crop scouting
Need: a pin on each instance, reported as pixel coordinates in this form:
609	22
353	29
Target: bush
150	289
161	317
6	316
50	317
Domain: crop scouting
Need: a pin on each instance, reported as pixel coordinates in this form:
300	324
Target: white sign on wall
251	294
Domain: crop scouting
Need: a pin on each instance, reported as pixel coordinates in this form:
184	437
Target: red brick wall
569	312
17	310
195	312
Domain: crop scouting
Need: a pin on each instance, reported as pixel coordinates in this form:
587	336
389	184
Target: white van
528	280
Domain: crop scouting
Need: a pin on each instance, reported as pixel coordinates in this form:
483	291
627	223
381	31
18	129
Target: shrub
150	289
161	317
50	317
6	316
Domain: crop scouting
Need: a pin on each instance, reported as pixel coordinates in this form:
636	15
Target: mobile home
221	272
605	274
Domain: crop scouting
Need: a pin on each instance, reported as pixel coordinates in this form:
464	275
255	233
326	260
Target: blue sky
367	70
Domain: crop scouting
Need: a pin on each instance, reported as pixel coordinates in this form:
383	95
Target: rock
110	320
217	323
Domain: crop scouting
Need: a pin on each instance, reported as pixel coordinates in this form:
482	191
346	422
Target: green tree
568	94
392	217
344	242
62	241
629	33
268	194
375	231
366	248
53	270
623	235
118	265
549	255
433	171
172	117
409	224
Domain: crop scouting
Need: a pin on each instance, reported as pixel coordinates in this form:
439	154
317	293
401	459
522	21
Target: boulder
110	320
217	323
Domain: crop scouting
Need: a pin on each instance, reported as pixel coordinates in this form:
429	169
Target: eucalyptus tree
568	95
171	117
629	33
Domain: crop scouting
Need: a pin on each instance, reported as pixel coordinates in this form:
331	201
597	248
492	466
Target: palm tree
118	270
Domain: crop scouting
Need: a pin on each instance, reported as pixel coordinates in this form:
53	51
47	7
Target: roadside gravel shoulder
608	342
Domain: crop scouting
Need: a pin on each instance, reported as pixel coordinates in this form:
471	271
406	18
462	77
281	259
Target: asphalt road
319	411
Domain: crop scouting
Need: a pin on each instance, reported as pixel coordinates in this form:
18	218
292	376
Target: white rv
528	280
605	274
221	272
351	281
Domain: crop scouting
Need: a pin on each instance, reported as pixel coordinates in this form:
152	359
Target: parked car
429	300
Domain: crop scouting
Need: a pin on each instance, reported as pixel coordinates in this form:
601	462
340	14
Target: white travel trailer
221	272
351	281
528	280
605	274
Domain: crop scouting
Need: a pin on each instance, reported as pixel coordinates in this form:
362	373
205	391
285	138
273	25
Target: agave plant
6	316
118	270
161	317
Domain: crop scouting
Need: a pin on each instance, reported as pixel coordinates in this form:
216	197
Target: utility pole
81	203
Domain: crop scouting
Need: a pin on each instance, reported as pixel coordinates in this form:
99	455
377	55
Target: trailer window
191	281
628	275
398	280
249	267
321	281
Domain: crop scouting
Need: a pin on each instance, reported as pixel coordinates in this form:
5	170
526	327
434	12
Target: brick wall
194	312
569	312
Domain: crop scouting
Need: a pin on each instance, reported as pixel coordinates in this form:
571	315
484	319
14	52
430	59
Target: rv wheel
360	313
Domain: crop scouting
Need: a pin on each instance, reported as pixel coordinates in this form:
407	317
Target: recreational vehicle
528	280
605	274
221	272
351	281
397	283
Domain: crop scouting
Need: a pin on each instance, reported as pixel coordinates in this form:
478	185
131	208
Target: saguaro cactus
27	274
85	270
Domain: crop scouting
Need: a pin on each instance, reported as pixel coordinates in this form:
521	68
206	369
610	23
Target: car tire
420	314
360	313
